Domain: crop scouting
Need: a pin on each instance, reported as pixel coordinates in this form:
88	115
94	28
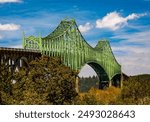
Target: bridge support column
100	86
110	83
77	84
10	64
121	80
1	61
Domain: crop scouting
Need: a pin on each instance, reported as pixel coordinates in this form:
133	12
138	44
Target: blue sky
125	23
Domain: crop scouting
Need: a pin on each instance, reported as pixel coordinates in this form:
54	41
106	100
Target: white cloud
134	58
9	27
86	27
135	63
114	20
10	1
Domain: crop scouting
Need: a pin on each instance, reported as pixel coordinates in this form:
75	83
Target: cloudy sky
125	23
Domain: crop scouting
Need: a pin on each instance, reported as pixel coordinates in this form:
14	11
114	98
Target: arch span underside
102	75
67	42
115	81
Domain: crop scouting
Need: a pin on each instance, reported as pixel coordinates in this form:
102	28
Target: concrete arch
20	62
25	61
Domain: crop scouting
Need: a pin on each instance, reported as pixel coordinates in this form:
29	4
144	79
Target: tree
135	90
85	83
98	97
45	81
5	81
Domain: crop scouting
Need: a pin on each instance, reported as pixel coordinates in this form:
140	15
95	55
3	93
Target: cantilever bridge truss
67	42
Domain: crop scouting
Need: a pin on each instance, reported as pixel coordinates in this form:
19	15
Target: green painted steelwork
67	42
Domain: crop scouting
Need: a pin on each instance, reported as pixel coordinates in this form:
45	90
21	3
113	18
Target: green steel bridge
67	42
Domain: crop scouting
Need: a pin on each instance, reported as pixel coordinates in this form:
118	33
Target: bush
135	91
98	97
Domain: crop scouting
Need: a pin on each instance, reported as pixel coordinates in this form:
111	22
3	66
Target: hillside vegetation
142	77
135	91
85	83
48	82
45	81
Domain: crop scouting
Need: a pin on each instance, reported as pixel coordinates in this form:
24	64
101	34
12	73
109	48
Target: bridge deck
18	50
8	55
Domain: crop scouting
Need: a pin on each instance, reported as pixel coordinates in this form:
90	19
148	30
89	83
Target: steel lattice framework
67	42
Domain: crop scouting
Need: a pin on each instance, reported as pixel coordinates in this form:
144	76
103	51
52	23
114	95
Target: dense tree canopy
48	81
85	83
45	81
136	90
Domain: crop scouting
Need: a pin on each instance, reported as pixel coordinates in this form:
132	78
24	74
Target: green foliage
48	81
45	81
136	90
98	97
5	81
86	83
142	77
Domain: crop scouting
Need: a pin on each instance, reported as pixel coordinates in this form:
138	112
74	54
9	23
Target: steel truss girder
67	42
